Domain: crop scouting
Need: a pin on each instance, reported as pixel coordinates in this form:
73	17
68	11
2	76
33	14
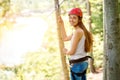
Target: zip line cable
82	2
57	7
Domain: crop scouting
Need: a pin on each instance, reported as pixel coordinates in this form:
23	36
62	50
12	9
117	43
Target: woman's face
73	19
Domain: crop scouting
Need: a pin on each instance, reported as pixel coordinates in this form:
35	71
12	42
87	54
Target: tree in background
61	43
112	40
4	7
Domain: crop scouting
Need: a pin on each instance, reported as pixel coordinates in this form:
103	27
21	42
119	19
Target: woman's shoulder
79	31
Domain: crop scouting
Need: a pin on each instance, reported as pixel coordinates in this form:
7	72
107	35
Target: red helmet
76	11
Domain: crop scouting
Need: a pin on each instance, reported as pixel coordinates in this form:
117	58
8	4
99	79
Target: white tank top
80	51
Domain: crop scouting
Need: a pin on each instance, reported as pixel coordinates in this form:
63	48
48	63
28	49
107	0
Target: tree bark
61	43
112	40
92	67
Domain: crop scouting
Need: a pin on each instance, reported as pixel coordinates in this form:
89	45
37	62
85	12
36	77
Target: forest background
28	29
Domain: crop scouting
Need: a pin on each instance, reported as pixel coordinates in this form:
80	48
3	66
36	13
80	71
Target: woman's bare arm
65	37
77	37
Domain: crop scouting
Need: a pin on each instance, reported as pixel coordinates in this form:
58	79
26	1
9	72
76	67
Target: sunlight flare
25	36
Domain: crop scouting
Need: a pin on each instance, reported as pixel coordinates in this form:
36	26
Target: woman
81	43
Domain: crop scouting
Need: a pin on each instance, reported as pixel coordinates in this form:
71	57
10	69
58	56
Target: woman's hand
65	50
60	21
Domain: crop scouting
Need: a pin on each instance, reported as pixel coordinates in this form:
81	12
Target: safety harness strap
80	60
79	74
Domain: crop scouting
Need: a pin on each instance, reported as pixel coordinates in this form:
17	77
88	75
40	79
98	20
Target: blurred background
29	48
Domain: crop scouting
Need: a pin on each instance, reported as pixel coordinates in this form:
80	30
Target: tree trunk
112	40
92	67
61	43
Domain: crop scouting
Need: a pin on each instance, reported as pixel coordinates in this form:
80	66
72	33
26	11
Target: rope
54	9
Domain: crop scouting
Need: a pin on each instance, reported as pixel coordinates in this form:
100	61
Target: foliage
97	19
4	7
39	67
45	64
